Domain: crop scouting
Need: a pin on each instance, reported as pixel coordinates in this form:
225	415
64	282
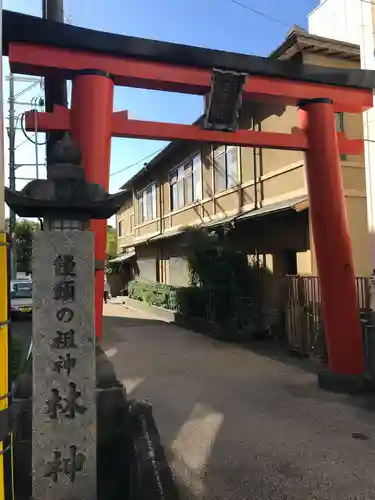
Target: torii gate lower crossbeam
92	123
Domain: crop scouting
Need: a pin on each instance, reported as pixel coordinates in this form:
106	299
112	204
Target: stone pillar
64	375
64	409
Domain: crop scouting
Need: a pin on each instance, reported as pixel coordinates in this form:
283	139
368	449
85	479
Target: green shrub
137	290
172	299
230	291
193	302
227	292
156	294
159	295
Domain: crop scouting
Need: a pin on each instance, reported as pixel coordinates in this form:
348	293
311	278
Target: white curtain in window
232	167
174	193
180	187
177	189
147	204
141	209
153	201
220	173
188	183
197	177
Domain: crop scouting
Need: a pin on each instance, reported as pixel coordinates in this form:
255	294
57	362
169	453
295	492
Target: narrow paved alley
238	425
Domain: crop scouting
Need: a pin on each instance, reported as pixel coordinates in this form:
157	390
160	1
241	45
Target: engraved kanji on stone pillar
64	411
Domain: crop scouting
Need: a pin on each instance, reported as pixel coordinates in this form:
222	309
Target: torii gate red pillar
332	239
91	127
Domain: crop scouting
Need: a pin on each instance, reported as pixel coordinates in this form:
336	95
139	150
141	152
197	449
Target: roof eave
299	40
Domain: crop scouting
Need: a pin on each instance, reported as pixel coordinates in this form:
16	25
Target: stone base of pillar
342	383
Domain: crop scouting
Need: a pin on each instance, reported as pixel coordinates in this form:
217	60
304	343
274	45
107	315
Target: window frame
120	228
141	218
339	121
217	152
340	127
179	182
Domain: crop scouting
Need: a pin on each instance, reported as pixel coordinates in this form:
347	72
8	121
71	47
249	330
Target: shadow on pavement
278	350
123	454
114	441
113	463
244	421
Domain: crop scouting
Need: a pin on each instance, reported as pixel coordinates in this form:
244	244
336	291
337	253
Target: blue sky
218	24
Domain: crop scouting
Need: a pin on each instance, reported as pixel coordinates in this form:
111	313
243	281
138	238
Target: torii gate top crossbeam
44	60
166	66
40	47
34	30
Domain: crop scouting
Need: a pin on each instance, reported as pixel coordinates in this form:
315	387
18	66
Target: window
339	119
147	204
225	167
186	183
22	290
120	228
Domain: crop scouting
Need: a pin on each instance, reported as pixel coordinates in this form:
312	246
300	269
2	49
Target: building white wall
353	21
338	19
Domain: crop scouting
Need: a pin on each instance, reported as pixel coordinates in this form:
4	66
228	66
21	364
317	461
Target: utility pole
55	88
12	172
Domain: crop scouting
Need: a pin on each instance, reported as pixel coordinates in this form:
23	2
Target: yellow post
5	452
3	350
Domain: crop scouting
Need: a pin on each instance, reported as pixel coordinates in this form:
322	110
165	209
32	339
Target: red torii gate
97	61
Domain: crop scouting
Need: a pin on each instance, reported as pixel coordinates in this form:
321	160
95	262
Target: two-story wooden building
261	193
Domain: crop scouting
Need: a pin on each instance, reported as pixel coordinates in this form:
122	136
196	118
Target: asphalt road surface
238	424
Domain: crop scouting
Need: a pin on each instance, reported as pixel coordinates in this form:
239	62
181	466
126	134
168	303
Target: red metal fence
304	324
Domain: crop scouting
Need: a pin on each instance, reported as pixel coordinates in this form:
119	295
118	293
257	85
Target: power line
155	153
22	123
236	2
26	89
136	163
259	13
